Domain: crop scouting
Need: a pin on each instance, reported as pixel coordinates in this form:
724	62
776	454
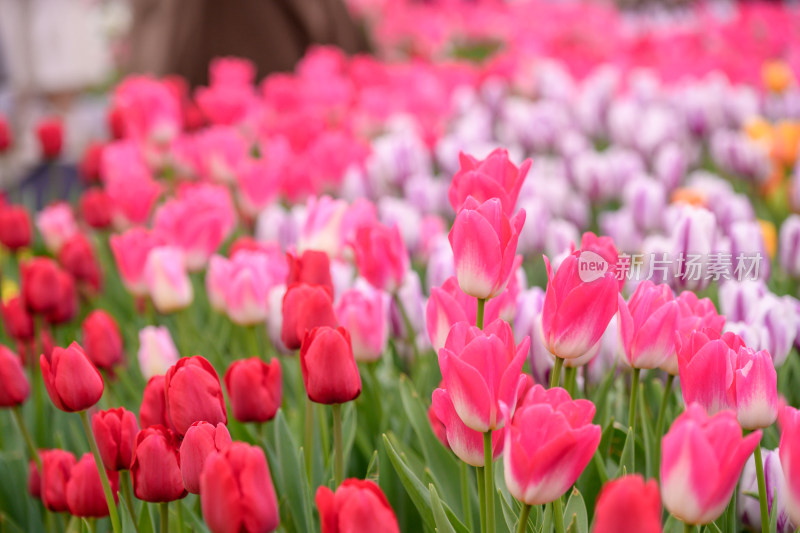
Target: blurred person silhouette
183	36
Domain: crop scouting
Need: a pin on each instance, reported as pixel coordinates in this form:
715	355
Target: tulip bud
628	504
484	242
236	491
696	446
14	386
153	411
50	132
693	315
167	281
193	393
494	177
57	224
66	300
789	452
39	276
200	441
85	496
747	501
647	325
15	227
156	466
72	381
330	373
95	207
56	468
131	250
102	340
305	307
17	322
255	389
381	256
312	267
364	314
115	432
466	443
357	505
156	352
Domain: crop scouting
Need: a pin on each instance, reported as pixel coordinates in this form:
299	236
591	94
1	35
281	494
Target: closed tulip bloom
102	340
6	137
66	300
312	267
236	491
330	373
156	352
305	307
78	258
357	505
789	451
548	443
72	381
647	325
381	255
15	227
694	314
251	276
494	177
628	505
255	389
484	242
605	248
363	312
466	443
167	281
194	393
95	207
57	224
576	312
39	276
89	166
50	132
35	479
756	383
56	469
18	323
482	370
14	386
701	459
156	466
115	432
153	411
200	441
85	496
748	506
131	250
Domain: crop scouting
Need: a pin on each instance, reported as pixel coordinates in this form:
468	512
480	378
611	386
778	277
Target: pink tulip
606	249
548	443
248	278
756	383
322	228
217	276
258	181
157	351
481	370
466	443
381	255
149	110
130	251
364	312
702	458
789	452
647	325
484	242
494	177
576	312
167	282
231	71
57	224
129	183
694	314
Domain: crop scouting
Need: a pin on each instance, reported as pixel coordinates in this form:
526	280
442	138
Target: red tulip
330	373
357	505
72	381
17	322
6	138
78	258
193	394
305	307
85	496
156	466
255	389
15	227
34	479
628	505
102	340
115	431
90	162
14	386
66	300
39	276
236	491
96	208
201	440
56	468
381	255
312	267
50	133
153	411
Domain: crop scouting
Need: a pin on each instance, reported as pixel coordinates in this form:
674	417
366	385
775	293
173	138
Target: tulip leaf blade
145	522
291	476
626	459
576	511
443	524
414	487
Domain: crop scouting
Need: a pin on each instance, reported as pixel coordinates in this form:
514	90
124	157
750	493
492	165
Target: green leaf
443	525
145	522
414	487
626	459
291	477
576	510
510	514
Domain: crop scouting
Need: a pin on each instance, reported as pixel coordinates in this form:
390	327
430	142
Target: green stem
112	507
570	379
558	515
180	516
688	528
479	475
660	421
465	499
338	464
92	523
523	518
308	440
632	415
125	487
762	489
252	337
489	480
17	412
164	517
481	306
555	376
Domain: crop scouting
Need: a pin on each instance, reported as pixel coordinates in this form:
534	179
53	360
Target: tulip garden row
320	303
